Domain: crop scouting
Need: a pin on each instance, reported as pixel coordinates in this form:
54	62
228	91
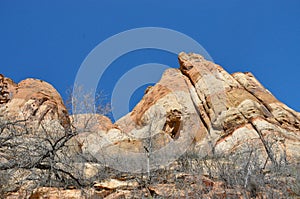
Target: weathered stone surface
241	110
33	120
115	184
199	108
91	122
31	100
217	113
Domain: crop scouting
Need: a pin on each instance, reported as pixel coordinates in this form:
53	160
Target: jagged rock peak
223	92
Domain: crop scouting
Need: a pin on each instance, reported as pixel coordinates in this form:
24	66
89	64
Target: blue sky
50	39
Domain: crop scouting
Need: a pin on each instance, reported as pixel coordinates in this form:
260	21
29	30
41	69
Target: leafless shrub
33	155
238	174
81	101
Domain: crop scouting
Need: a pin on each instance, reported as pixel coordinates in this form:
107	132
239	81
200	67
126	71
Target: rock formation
34	123
198	109
31	100
203	106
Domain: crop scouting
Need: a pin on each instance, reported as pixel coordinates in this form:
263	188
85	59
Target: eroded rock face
215	112
33	124
5	86
241	111
31	100
165	117
199	108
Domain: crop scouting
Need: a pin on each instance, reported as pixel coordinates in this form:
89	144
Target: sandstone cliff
201	106
31	100
219	121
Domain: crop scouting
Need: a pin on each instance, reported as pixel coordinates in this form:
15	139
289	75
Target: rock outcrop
34	123
198	110
200	106
31	100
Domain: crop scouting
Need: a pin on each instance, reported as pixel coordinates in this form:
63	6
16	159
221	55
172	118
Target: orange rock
32	100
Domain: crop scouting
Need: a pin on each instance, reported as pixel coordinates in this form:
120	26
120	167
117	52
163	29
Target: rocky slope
203	106
198	111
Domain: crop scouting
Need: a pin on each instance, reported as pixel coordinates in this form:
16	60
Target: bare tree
42	154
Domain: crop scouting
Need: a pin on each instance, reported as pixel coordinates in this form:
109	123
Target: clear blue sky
49	40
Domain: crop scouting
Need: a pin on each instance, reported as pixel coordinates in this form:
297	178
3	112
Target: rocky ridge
216	112
198	109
